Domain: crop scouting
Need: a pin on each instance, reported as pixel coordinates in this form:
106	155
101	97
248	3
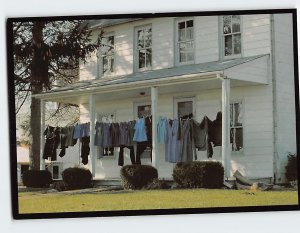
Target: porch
152	85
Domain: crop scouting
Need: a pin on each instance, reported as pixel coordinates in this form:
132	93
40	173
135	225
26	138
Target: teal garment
173	143
162	129
140	134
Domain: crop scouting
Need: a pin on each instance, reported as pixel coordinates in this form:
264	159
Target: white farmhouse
241	65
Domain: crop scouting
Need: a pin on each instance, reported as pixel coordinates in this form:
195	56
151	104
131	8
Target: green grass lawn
153	199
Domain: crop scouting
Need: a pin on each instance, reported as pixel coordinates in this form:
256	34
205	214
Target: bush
37	179
137	176
157	184
203	174
77	178
59	186
291	168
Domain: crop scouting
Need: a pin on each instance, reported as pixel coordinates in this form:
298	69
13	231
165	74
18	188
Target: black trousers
140	148
121	155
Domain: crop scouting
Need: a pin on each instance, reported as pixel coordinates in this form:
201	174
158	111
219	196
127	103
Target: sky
249	222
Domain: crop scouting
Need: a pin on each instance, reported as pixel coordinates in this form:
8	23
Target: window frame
239	101
222	40
176	42
136	50
179	99
100	57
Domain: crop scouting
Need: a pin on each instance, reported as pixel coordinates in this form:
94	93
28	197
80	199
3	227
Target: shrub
37	178
59	186
77	178
157	184
291	168
137	176
203	174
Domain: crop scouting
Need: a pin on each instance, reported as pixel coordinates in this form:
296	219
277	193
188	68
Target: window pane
189	23
237	43
237	139
148	37
185	108
142	58
226	24
148	57
144	110
228	45
189	34
140	39
238	114
182	57
111	67
236	22
105	65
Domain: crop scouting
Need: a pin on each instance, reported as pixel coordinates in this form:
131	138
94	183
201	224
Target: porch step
107	182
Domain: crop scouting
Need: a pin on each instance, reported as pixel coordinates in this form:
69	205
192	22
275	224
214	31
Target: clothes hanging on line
52	139
173	144
140	134
162	129
201	136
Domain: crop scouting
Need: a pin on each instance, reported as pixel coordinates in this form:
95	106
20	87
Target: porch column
92	133
42	137
226	152
154	97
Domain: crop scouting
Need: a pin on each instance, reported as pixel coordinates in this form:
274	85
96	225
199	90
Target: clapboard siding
256	35
255	40
206	39
285	94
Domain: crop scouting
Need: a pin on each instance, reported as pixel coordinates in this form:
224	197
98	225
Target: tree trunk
39	74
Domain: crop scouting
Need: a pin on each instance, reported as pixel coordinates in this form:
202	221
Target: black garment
114	134
142	146
85	149
201	136
52	139
121	155
63	134
215	130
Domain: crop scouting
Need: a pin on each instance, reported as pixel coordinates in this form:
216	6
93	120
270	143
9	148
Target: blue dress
162	129
140	134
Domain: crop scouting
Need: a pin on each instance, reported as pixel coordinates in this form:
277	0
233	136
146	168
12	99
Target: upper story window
232	35
107	54
143	58
236	125
185	41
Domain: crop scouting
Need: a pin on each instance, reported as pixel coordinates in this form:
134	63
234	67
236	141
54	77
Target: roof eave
187	78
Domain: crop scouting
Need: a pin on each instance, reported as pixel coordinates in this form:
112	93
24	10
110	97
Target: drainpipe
276	168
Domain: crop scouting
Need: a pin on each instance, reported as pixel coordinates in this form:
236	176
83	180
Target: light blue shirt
140	131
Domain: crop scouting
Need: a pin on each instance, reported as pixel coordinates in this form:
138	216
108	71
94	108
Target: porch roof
161	77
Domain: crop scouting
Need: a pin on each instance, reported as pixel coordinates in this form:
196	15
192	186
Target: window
144	110
232	35
236	126
107	54
143	47
185	41
184	108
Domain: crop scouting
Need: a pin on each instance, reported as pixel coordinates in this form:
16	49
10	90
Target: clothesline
181	138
